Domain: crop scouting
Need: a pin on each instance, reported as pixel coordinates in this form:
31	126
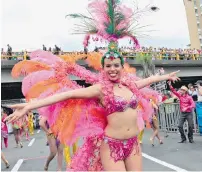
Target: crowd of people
10	55
161	53
56	50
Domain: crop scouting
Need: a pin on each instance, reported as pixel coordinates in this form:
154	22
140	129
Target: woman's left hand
155	106
173	76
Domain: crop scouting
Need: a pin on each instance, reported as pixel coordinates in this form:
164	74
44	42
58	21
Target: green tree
147	64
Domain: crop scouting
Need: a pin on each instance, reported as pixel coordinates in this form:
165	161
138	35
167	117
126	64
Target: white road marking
17	165
158	161
38	131
31	142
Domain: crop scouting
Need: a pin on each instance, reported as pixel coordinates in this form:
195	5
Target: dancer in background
54	144
153	122
16	131
24	128
16	125
155	125
4	128
3	158
31	123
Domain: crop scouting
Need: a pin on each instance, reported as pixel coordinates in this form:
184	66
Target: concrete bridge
188	68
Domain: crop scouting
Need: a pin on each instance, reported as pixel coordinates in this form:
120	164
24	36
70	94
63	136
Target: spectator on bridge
9	52
57	50
186	107
2	51
44	48
85	50
96	49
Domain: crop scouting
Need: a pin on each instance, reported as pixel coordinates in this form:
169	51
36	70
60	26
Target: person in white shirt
199	90
193	93
189	87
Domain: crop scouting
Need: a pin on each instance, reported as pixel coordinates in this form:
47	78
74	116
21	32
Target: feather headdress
109	20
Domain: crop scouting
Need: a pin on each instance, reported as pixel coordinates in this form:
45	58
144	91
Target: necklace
119	85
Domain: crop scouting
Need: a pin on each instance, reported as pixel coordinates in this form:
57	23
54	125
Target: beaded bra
121	105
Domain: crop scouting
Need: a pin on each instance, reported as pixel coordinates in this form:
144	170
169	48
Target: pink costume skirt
87	157
121	149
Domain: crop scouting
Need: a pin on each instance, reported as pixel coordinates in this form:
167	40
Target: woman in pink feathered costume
109	114
112	145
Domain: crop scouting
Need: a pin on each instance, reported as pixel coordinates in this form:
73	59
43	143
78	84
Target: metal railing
12	101
132	55
168	116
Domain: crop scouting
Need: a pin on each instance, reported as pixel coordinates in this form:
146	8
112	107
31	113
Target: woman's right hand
20	111
169	83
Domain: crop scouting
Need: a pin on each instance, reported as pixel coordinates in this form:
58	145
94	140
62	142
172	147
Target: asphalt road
171	156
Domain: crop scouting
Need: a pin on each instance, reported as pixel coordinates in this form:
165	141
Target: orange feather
27	66
41	87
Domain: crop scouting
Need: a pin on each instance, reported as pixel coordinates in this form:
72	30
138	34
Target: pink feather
40	54
128	13
43	60
35	77
135	41
99	11
86	40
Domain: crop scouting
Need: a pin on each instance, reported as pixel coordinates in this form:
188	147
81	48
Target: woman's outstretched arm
157	78
22	109
89	92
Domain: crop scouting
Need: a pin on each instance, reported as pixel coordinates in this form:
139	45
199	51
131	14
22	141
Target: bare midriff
122	125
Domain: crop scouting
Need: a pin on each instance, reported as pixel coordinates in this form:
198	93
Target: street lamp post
153	7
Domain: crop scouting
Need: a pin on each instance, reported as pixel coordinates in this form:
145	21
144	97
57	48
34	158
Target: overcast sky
27	24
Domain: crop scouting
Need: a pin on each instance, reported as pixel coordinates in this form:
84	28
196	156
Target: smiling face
113	68
183	92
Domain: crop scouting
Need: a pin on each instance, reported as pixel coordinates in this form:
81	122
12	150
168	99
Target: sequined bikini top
120	104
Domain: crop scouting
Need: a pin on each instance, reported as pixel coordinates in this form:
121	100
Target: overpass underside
191	71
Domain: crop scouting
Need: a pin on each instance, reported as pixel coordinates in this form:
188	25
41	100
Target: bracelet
49	134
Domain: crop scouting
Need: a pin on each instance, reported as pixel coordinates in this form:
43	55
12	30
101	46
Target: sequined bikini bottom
121	149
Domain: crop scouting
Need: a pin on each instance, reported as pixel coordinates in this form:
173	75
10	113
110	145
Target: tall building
194	20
